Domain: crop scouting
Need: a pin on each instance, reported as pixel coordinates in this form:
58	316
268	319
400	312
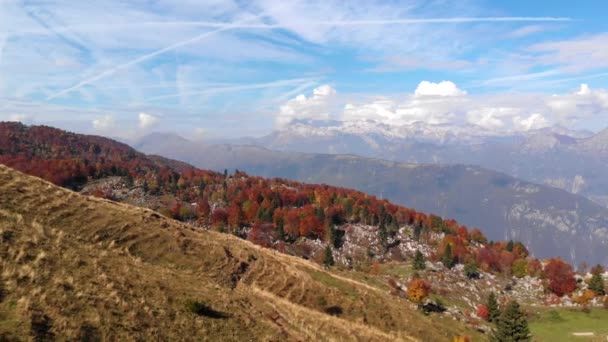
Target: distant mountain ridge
550	221
420	132
541	156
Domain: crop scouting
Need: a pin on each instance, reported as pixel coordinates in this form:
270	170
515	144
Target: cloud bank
445	103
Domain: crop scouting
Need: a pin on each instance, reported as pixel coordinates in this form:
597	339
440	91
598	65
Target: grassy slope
559	324
82	266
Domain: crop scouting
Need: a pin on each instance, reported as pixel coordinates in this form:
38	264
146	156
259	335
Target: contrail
210	24
274	84
224	27
3	40
457	20
143	58
515	78
295	91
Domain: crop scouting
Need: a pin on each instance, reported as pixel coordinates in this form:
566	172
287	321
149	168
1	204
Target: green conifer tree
328	258
280	234
448	259
417	231
512	325
596	284
494	311
419	261
383	235
332	237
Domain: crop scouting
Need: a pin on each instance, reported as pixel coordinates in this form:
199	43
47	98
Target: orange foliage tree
418	290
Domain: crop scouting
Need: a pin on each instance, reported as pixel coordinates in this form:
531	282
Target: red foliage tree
483	312
175	210
219	217
560	277
235	215
203	209
262	234
477	236
488	259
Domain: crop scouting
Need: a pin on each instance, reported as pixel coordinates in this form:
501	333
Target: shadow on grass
334	310
201	309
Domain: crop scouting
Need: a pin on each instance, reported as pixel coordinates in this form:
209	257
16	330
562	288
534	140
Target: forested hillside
321	222
270	212
430	263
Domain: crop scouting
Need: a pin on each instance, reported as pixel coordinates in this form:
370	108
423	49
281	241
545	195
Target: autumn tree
534	268
203	209
419	261
311	226
235	215
175	209
483	312
512	325
219	218
418	290
477	236
186	213
262	234
520	268
560	277
585	297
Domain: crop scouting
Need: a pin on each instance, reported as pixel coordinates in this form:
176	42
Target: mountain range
548	220
543	156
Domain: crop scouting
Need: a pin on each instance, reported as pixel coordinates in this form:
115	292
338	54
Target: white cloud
491	117
527	31
433	103
104	123
574	55
584	90
534	121
323	91
15	117
380	109
317	107
443	88
585	103
445	103
146	120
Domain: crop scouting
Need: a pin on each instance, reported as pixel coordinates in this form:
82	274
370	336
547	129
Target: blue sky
231	68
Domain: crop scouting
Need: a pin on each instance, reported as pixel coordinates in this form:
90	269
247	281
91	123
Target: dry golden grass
75	267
